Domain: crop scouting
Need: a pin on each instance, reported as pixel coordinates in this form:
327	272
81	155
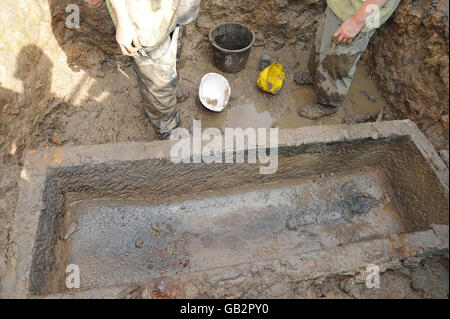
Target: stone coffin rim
38	162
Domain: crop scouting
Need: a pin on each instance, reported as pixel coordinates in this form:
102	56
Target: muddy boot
166	135
303	77
316	111
163	136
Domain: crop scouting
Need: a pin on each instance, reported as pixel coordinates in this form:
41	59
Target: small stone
444	120
56	139
316	111
265	62
282	3
139	243
303	77
444	154
254	269
380	116
155	227
71	230
369	96
191	291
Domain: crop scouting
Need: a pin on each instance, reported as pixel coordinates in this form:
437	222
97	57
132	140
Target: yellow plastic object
271	79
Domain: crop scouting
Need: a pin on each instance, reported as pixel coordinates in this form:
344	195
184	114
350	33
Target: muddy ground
61	86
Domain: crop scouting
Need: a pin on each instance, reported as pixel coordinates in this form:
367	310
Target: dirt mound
87	46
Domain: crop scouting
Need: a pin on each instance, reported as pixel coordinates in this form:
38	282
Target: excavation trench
104	212
67	86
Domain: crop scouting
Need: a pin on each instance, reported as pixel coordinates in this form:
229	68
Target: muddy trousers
157	76
333	66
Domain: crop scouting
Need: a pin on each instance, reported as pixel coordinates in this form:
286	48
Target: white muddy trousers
157	75
158	24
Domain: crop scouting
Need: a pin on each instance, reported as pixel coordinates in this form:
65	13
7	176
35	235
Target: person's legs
333	67
158	79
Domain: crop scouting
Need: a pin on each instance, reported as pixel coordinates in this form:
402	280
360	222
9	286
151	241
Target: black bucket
231	43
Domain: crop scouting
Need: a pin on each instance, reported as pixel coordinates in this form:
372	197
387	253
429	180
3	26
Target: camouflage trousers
333	66
156	71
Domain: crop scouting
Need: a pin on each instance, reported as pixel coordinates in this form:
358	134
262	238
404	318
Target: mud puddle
249	115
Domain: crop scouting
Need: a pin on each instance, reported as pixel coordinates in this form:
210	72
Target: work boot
163	136
166	135
316	111
303	77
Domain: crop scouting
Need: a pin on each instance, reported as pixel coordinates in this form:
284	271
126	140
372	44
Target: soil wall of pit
409	60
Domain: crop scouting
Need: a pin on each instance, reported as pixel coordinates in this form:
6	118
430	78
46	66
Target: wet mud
121	243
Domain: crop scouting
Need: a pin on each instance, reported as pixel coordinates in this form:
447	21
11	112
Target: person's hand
126	37
347	32
94	3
